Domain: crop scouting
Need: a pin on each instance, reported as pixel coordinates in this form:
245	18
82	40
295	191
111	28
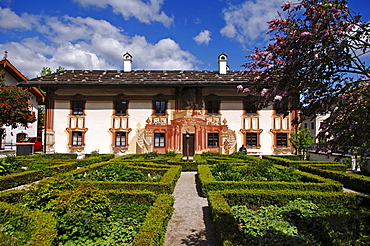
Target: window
312	125
77	138
251	139
213	106
160	107
305	125
212	139
21	136
77	107
250	107
281	139
121	107
120	139
159	140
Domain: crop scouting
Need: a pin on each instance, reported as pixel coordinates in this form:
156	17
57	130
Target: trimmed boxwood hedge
226	227
14	180
50	156
317	183
41	226
167	184
151	233
284	161
153	230
353	181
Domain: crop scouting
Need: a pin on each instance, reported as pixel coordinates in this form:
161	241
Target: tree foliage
316	56
47	70
302	140
14	105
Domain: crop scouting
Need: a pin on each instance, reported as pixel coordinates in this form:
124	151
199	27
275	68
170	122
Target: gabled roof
137	77
8	67
14	72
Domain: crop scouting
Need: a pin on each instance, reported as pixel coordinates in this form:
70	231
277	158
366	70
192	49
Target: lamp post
187	136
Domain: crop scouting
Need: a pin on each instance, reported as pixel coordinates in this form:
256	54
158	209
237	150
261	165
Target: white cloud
145	12
87	43
248	21
10	20
204	37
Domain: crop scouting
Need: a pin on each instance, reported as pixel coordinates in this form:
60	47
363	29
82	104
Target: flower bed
262	217
86	215
170	175
306	181
46	166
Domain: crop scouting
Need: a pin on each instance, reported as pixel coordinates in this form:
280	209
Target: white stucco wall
139	111
61	113
232	112
98	121
266	137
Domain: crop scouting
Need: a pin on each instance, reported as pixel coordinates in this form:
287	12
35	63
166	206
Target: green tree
317	53
302	140
46	70
14	105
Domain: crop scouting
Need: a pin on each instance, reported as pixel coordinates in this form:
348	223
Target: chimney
222	64
127	62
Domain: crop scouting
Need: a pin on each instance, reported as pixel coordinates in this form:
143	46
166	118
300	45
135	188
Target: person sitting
243	149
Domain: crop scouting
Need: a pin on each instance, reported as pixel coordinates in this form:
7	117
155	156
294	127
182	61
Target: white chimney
127	62
222	63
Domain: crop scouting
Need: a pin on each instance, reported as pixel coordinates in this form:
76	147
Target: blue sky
159	34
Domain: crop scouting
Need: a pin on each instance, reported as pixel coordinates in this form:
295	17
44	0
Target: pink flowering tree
315	64
14	105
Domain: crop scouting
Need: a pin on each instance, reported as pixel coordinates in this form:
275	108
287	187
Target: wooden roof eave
12	70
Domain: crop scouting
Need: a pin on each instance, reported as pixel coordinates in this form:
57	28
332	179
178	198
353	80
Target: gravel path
190	223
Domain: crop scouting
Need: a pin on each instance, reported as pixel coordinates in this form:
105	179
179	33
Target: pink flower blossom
239	87
278	98
316	56
246	90
264	91
286	5
306	34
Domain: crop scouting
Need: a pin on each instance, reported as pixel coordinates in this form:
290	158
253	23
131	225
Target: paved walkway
190	223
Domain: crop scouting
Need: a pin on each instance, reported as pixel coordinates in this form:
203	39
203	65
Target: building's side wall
266	137
98	121
232	111
139	111
10	136
61	112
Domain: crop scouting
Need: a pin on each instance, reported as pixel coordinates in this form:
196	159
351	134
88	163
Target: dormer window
121	107
212	104
160	107
78	107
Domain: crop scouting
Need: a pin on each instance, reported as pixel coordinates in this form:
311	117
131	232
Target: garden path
191	223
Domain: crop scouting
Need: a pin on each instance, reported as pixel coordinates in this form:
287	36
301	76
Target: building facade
139	111
9	136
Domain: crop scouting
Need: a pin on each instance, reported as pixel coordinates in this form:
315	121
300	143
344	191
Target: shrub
112	173
170	153
20	226
341	218
8	165
259	170
272	224
209	153
81	214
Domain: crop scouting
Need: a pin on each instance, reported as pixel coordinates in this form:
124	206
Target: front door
188	145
